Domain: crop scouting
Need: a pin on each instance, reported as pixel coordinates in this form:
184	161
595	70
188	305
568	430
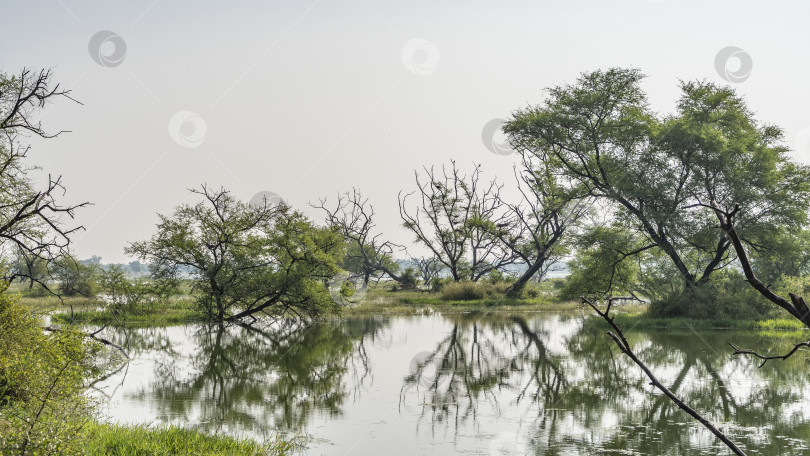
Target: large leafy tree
246	260
658	172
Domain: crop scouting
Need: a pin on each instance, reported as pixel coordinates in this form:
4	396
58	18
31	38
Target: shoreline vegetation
121	439
382	301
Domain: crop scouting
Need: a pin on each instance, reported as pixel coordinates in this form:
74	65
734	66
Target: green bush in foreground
106	439
42	402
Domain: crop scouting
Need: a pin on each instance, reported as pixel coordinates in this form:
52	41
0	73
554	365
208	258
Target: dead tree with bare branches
368	255
456	218
32	219
535	226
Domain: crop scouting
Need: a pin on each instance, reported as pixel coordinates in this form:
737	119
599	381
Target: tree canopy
660	174
246	259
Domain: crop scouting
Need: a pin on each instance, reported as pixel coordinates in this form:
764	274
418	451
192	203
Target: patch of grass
635	319
384	302
176	313
109	439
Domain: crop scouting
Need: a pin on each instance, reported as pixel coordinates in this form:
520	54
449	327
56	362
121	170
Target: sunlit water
470	384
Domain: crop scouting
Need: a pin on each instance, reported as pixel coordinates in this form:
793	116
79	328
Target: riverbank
107	439
382	302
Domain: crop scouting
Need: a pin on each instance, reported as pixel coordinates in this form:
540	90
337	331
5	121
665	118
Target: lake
490	384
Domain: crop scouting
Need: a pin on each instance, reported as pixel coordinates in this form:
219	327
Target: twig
624	346
766	358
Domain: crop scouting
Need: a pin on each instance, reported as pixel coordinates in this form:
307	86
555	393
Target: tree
533	230
456	219
657	171
367	255
32	220
75	278
599	268
429	269
245	260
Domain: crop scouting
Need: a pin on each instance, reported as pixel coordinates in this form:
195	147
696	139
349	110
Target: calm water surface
542	384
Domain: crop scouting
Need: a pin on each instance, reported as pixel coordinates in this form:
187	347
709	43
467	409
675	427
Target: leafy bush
727	295
127	296
42	405
76	279
438	283
471	291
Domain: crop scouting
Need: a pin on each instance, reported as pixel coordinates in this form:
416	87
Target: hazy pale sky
306	98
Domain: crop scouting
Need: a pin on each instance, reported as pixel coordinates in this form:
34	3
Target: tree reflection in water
255	379
571	394
556	382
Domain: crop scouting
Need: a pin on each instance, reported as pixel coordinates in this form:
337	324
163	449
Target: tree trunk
514	290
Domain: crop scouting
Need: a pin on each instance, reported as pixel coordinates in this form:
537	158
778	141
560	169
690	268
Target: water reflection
252	378
486	384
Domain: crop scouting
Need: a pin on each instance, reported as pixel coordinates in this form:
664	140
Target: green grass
380	301
177	313
108	439
636	319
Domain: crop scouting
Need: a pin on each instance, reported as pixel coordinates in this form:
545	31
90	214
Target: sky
309	98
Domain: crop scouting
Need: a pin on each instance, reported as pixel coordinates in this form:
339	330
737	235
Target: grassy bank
383	302
108	439
636	319
175	314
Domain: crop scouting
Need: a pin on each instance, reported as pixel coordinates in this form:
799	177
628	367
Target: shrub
438	283
471	291
727	295
42	405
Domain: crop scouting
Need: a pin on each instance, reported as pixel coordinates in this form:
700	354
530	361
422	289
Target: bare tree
32	228
367	255
32	219
456	218
429	268
535	226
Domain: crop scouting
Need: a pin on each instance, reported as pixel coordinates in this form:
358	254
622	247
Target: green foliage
42	402
656	173
600	266
76	278
106	439
726	296
471	291
437	284
127	296
246	259
409	278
